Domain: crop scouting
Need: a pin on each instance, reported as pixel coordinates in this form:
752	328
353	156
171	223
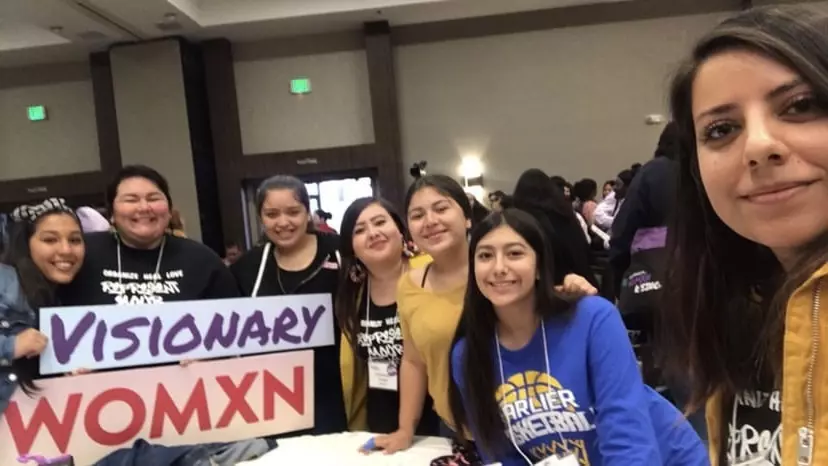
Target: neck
452	262
516	324
389	271
140	244
300	245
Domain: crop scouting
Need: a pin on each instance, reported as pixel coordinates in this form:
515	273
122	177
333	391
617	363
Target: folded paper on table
112	336
89	416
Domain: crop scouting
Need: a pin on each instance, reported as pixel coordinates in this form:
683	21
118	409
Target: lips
64	265
503	284
379	244
778	192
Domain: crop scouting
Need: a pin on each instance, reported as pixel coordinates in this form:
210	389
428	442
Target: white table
342	450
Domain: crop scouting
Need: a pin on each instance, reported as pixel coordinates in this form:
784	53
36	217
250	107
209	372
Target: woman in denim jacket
45	250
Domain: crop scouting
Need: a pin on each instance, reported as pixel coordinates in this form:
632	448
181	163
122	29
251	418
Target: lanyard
548	386
157	263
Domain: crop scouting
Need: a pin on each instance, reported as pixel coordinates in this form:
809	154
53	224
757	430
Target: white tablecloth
342	450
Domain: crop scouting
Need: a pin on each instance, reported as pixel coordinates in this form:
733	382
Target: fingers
187	362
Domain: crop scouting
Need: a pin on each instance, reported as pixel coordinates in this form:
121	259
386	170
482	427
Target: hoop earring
357	273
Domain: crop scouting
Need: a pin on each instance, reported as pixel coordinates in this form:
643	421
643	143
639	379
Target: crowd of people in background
553	322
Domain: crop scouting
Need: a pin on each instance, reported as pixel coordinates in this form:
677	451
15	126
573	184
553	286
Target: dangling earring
357	273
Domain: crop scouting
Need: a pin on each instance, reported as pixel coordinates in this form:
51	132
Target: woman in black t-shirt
293	260
140	263
373	259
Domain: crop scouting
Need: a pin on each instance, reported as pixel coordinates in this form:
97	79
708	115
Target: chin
61	278
788	235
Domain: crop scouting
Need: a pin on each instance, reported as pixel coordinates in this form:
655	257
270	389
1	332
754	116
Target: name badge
382	375
567	460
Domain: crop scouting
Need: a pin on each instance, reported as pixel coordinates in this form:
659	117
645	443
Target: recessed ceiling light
56	29
170	17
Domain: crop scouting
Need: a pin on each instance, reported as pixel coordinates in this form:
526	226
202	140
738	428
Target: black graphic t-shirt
187	270
380	337
756	437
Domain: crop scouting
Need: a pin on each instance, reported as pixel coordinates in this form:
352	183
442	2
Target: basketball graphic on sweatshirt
543	416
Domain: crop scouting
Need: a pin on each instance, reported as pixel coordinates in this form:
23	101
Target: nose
373	232
430	218
500	265
64	247
761	145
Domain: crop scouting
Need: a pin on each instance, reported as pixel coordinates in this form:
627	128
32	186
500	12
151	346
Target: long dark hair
350	294
478	325
444	185
37	289
727	294
538	195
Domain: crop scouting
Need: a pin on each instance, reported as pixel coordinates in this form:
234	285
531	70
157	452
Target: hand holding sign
29	343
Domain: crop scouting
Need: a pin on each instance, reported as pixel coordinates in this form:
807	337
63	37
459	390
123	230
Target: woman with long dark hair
296	259
536	378
536	194
45	250
749	245
374	257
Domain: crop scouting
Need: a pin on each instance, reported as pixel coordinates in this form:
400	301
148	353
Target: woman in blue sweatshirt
539	381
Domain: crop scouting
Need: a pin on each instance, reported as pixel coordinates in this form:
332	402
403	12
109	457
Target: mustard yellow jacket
797	351
354	376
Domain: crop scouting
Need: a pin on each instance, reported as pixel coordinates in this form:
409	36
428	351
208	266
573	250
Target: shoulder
248	260
99	239
190	246
9	282
327	243
11	295
594	309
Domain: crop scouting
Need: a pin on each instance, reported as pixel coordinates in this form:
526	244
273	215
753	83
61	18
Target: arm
589	211
6	350
413	386
630	217
604	212
625	430
510	457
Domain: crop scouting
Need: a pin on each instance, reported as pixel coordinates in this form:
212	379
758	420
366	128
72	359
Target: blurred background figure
232	252
177	224
495	199
320	221
609	186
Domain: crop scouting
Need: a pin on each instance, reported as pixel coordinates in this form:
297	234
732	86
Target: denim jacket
15	316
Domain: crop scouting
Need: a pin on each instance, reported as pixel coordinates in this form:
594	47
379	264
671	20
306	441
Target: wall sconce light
471	169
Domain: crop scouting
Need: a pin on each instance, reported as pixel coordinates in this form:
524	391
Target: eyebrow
721	109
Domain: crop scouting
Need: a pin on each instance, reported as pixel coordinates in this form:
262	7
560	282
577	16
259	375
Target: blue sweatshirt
598	402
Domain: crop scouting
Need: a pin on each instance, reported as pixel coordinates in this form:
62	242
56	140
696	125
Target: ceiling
50	31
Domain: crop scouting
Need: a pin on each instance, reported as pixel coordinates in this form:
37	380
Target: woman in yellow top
751	236
430	301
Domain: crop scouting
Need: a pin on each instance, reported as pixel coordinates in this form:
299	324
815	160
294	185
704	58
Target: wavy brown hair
726	295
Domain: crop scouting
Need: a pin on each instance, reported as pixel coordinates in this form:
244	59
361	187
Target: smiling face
285	219
141	212
762	143
57	248
505	267
436	222
376	238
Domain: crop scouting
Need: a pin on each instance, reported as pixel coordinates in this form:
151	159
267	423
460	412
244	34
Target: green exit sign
37	113
300	86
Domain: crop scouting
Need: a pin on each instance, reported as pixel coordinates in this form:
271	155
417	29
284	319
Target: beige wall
570	101
336	113
65	143
152	119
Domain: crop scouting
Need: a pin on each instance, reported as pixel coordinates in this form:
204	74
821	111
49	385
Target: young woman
536	378
751	237
45	250
374	257
608	187
140	263
430	299
584	193
295	259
